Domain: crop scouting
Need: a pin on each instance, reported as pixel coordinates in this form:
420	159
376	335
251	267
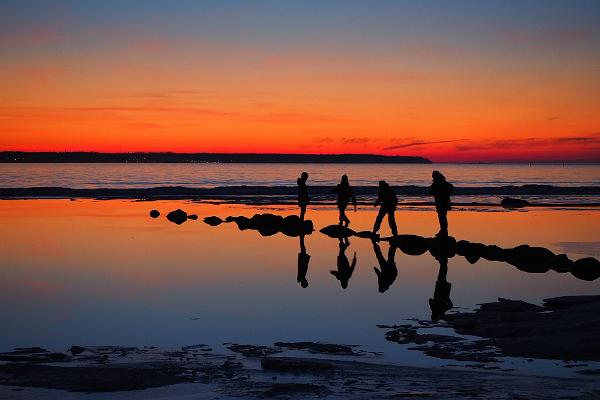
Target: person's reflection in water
344	267
302	194
441	296
303	259
344	195
440	190
388	273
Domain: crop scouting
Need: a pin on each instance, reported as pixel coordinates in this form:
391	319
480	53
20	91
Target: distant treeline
92	157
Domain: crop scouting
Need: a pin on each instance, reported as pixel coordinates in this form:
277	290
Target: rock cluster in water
267	224
526	258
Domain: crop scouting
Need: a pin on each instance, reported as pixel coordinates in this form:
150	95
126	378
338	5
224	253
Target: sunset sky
448	80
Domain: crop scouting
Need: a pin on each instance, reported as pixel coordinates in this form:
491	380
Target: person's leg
443	218
392	222
343	217
378	220
302	211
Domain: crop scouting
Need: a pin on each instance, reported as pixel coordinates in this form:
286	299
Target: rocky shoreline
124	372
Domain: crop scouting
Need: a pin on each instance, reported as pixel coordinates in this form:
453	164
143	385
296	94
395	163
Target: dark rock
213	221
509	202
285	390
564	328
587	269
365	235
90	378
77	350
411	244
472	259
442	246
495	253
293	226
561	263
266	224
294	364
242	222
23	355
193	217
337	231
248	350
531	259
230	218
177	217
315	347
462	247
154	213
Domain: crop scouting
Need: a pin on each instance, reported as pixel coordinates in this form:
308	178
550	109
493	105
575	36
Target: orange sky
449	95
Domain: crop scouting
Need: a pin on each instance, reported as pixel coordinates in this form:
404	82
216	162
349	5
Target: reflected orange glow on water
93	264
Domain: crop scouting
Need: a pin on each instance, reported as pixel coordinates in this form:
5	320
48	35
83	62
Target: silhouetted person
302	194
441	190
388	273
388	200
344	268
344	195
303	259
441	296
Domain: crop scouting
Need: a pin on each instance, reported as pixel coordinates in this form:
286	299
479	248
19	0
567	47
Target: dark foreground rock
214	376
565	328
154	214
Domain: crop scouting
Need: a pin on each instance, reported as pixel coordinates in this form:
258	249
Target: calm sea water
211	175
103	273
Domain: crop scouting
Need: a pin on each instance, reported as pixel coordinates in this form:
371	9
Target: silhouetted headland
93	157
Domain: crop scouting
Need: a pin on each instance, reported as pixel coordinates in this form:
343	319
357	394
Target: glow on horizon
475	81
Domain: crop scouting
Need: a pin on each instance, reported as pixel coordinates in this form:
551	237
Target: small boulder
531	259
365	235
177	216
154	213
411	244
193	217
266	224
509	202
587	269
213	221
561	263
337	231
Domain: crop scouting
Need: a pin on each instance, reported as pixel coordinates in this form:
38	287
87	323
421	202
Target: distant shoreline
165	157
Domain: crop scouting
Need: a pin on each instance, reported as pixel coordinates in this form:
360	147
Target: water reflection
388	271
345	269
303	259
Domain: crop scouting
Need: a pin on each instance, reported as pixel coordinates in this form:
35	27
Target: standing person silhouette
388	200
344	195
303	259
302	194
440	190
344	268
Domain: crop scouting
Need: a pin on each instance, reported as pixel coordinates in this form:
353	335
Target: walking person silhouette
388	200
440	190
302	194
344	195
